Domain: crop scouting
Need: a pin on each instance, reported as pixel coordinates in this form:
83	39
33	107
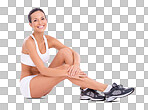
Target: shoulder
55	43
27	43
28	40
51	41
50	38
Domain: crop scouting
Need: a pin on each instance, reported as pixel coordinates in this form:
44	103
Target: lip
40	27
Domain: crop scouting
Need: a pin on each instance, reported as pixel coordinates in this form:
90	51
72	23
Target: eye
43	18
35	20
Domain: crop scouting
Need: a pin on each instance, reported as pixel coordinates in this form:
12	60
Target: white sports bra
25	58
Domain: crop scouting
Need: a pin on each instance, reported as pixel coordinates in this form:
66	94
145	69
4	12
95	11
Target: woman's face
39	22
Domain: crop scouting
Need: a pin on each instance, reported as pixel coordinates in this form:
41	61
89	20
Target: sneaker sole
85	98
110	99
90	98
115	97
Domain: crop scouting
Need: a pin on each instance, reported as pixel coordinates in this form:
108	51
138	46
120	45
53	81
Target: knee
66	66
65	51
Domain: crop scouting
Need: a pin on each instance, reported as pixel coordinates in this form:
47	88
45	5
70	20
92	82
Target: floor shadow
101	101
35	98
112	101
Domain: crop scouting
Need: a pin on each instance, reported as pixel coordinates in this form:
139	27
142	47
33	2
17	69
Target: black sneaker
90	94
117	91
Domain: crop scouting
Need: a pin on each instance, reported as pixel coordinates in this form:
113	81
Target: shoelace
120	86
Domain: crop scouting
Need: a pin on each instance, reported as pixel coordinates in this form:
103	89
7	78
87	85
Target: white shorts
25	86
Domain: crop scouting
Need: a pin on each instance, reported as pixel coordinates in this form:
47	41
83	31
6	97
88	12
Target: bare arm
76	57
58	45
30	46
54	72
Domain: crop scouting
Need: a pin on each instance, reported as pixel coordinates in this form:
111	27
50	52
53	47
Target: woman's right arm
31	48
54	72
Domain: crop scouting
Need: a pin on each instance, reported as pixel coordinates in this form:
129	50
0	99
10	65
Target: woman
37	80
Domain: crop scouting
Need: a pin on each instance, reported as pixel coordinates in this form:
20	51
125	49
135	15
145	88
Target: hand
82	75
74	70
79	76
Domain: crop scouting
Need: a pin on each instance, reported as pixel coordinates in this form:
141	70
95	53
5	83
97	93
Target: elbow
43	70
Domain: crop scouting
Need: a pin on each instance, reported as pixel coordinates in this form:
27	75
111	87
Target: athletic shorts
25	86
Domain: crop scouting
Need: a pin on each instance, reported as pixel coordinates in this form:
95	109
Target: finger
72	76
79	69
77	77
70	71
68	74
83	73
80	72
82	76
73	71
70	68
77	72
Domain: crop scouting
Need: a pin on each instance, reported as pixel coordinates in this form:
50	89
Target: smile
40	27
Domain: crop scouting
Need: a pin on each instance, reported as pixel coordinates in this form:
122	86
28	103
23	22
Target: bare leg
66	56
37	89
63	56
89	83
41	85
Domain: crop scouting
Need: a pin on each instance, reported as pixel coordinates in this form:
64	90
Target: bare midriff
28	70
31	70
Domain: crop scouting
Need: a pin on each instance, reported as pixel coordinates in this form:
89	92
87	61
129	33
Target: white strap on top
46	44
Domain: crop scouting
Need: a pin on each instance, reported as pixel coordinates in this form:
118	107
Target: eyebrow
41	17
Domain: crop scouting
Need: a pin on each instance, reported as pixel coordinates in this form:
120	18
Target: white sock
108	88
84	89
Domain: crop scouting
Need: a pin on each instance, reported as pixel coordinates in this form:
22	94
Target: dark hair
32	11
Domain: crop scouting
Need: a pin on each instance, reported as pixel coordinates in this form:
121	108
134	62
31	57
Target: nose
39	22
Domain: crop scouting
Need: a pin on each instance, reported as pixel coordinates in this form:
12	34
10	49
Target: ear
30	24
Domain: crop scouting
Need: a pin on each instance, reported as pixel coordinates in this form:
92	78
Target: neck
38	36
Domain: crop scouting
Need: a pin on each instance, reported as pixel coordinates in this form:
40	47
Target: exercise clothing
26	59
25	86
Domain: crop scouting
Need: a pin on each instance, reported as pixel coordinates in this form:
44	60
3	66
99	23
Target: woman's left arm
73	69
58	45
76	57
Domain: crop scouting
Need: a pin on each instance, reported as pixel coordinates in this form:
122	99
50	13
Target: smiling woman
37	80
38	22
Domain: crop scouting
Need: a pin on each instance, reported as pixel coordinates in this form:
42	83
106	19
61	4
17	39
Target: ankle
83	87
107	88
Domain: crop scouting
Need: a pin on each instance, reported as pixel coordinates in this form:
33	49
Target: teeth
40	27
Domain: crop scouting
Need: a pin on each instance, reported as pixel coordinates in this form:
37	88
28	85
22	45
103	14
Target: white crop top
26	59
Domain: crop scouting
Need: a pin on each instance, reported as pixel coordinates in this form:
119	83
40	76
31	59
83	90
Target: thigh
41	85
58	60
63	56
